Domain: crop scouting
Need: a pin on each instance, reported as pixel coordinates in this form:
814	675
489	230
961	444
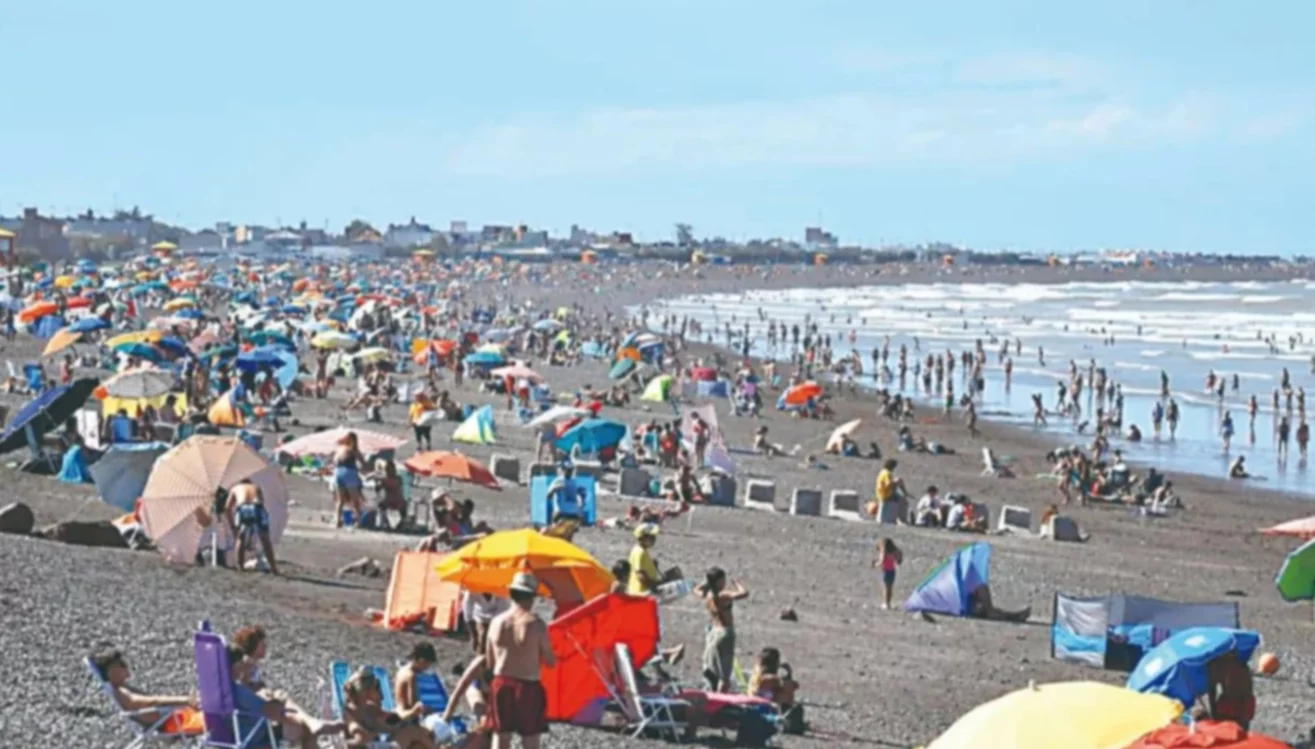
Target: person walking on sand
889	558
719	596
518	647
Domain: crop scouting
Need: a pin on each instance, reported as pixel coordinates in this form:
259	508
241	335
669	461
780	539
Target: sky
1035	126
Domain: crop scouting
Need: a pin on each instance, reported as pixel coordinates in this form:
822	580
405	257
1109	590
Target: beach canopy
1115	631
1072	715
946	589
591	633
121	473
450	465
1206	734
46	413
658	389
325	442
1300	528
566	572
180	492
1177	667
478	428
1295	580
591	436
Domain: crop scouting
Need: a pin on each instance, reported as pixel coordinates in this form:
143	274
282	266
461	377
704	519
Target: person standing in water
1226	430
1171	418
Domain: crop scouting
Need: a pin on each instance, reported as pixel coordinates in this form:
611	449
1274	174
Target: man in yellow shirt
644	575
887	486
420	414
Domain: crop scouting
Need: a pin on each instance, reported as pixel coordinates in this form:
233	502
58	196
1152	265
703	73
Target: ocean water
1183	329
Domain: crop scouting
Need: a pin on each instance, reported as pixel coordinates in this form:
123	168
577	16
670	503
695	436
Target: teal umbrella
1296	578
621	369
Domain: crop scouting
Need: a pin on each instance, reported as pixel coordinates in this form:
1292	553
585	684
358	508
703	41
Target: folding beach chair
143	735
645	712
339	673
225	727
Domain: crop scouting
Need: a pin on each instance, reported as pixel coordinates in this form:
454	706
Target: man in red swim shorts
518	647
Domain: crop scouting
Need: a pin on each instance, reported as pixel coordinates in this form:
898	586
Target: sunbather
367	720
290	724
407	691
183	717
774	680
980	606
254	644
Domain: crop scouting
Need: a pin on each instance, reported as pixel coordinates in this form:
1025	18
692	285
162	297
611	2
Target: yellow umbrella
61	340
1072	715
165	246
371	355
565	571
173	305
64	282
140	336
333	340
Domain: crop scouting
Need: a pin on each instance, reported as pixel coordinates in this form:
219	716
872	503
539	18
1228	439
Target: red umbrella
799	394
455	466
1301	528
1206	734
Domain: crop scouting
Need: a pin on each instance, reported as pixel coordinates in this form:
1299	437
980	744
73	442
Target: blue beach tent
946	589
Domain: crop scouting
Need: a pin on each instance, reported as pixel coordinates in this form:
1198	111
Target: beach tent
946	589
584	642
1113	632
416	594
477	428
658	389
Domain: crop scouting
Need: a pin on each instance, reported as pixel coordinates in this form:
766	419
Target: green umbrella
1296	578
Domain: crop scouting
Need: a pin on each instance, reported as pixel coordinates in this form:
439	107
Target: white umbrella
557	413
180	492
140	383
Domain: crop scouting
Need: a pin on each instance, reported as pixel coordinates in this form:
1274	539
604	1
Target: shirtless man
249	520
518	646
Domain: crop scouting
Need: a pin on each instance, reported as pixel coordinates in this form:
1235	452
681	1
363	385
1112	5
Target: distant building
496	233
817	238
413	234
40	234
457	227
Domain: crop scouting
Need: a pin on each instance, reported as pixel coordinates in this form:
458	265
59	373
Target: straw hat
524	582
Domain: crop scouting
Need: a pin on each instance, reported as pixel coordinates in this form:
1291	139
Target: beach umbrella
48	326
37	311
219	353
486	358
802	393
371	355
450	465
592	435
1072	715
270	338
139	383
324	443
287	373
181	303
488	565
258	359
120	474
46	413
88	325
478	428
190	313
332	339
1300	528
140	336
517	372
141	351
1206	734
60	341
1296	578
622	369
547	325
841	433
557	413
180	492
1177	667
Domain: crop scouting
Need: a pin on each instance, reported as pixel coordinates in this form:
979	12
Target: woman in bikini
719	645
347	460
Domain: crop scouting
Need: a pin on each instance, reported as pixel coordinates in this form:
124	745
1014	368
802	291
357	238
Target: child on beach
889	558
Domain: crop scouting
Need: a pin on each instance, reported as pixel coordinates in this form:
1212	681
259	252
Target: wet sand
879	678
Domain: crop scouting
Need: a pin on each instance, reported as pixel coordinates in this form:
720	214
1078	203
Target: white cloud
1031	69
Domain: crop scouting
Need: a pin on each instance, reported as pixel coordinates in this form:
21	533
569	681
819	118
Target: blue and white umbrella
1178	667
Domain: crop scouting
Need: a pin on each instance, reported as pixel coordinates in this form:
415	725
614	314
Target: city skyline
1184	126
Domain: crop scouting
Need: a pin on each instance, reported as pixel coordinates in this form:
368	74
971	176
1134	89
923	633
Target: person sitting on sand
762	446
170	715
367	720
929	512
962	516
773	680
980	606
1238	469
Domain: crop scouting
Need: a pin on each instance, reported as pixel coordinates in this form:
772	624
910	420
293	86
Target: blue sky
1029	125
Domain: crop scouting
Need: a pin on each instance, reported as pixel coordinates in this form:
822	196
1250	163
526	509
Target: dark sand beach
873	677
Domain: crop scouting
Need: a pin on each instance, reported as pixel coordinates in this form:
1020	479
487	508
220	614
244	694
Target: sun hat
649	530
524	582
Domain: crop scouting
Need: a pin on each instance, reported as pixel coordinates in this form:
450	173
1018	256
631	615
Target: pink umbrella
1303	528
517	372
324	443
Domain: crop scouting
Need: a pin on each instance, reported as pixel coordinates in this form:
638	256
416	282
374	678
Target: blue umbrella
46	412
48	326
139	350
219	353
270	338
1177	667
120	474
88	324
485	358
592	435
174	344
86	266
287	373
256	360
190	313
293	309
